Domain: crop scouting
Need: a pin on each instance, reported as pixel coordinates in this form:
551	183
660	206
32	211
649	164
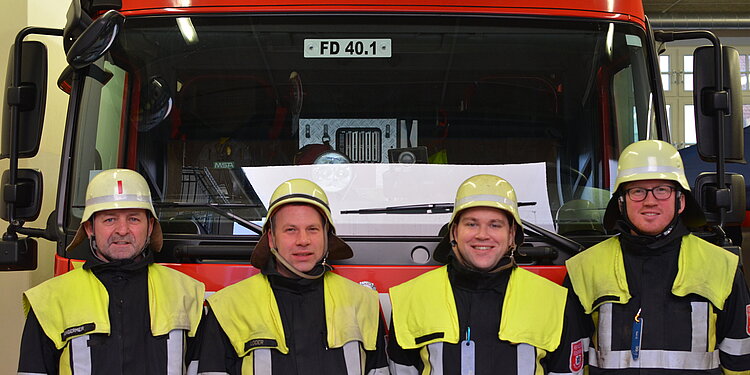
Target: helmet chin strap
295	271
511	255
95	250
323	261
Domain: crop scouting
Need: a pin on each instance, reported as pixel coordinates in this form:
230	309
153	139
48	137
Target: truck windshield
379	110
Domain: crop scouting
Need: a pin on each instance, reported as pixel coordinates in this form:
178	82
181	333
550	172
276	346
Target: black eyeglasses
638	194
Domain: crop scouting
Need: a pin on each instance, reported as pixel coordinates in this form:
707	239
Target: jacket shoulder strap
533	311
713	283
175	300
424	310
70	305
598	275
352	312
249	326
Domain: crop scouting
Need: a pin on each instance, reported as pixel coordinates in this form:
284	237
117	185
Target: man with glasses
661	300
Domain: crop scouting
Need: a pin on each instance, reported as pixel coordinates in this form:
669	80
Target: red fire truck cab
387	105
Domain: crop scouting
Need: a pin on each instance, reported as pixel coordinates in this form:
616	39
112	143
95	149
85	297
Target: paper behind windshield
360	186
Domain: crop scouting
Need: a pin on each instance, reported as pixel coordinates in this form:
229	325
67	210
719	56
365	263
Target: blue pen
635	343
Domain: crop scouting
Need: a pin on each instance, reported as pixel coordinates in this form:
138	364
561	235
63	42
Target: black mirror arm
38	233
718	98
18	99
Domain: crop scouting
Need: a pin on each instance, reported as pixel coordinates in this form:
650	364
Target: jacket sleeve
733	329
212	352
38	352
376	362
572	354
402	361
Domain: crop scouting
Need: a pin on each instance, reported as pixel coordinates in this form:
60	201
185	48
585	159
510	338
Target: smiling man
661	300
481	314
295	317
119	313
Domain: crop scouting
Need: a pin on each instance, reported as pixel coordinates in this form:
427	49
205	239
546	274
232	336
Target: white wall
15	15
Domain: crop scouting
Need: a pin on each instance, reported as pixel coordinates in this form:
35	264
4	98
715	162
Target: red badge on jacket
747	319
576	355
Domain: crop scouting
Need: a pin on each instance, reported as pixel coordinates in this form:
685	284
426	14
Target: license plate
347	48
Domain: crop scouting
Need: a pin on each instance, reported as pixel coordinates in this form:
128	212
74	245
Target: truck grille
360	145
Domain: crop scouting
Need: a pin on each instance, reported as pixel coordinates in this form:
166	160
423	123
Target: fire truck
387	105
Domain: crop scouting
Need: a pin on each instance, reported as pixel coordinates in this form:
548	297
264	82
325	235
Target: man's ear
150	225
89	228
682	203
271	243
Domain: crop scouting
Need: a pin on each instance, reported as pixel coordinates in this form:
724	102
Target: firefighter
295	316
661	300
119	313
481	313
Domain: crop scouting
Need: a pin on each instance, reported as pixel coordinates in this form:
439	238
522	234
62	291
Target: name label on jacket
78	330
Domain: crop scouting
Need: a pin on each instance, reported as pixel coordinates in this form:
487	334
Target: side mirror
711	198
96	40
22	189
25	194
19	255
708	100
28	97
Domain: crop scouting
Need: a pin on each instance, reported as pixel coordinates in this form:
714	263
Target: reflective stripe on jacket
425	317
75	305
352	313
599	279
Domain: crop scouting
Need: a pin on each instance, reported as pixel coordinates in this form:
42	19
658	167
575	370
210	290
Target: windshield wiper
441	208
431	208
222	209
410	209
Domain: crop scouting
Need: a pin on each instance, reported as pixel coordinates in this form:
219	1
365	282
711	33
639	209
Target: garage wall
15	15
